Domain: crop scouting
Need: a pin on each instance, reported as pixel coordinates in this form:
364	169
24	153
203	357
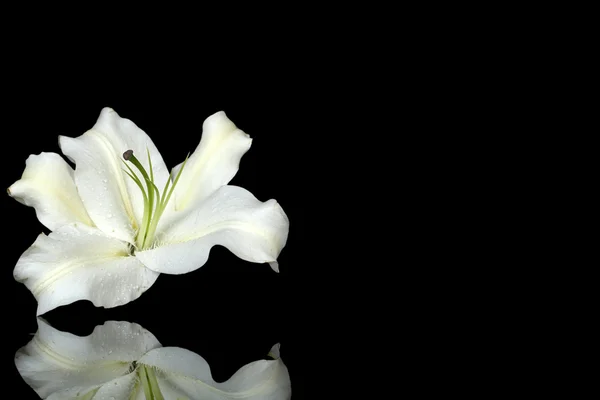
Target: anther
127	155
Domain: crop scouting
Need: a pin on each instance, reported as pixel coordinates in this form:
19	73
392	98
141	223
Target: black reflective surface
229	311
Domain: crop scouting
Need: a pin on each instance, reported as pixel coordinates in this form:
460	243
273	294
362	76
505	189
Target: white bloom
117	224
123	361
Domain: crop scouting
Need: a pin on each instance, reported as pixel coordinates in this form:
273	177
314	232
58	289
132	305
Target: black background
229	311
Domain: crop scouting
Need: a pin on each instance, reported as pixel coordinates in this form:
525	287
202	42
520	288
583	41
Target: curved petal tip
275	266
274	352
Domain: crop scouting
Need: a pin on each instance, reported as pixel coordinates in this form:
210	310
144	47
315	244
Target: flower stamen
154	203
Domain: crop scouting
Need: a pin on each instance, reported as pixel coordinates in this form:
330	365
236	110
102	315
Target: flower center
147	377
155	203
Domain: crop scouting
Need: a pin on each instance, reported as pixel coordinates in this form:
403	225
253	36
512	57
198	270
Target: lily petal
183	374
112	199
213	164
47	185
64	366
232	217
77	262
124	388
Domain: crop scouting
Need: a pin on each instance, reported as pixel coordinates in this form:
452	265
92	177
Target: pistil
155	203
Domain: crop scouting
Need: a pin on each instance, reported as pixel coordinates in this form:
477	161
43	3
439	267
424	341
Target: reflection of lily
123	361
119	219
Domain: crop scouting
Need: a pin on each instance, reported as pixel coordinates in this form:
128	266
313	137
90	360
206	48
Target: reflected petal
181	373
65	365
123	361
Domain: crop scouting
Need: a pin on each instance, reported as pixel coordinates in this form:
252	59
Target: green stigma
155	203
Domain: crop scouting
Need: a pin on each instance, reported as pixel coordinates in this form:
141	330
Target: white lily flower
123	361
119	219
